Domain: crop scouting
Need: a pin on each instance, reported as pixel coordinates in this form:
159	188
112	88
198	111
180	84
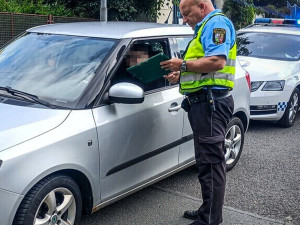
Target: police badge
219	36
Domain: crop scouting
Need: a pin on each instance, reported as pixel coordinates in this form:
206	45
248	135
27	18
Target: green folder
150	69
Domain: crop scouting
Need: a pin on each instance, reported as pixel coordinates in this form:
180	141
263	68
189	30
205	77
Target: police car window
182	43
139	52
269	45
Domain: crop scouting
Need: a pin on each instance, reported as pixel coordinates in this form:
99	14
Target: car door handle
174	108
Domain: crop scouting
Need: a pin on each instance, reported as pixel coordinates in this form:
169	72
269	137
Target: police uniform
210	107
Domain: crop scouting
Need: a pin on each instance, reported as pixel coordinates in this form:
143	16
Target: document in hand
150	69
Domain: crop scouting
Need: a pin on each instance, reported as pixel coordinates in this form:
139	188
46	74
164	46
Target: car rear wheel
55	200
291	110
234	141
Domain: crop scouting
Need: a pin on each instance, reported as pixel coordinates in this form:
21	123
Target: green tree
240	14
125	10
34	7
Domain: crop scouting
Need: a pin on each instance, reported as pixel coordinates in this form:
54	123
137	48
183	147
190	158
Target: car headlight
255	85
276	85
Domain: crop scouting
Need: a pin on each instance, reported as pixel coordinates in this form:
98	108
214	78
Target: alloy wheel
233	141
57	208
294	107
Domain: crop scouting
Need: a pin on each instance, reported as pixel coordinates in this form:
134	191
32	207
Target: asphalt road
263	188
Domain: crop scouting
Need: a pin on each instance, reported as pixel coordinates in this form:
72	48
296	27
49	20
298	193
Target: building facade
171	14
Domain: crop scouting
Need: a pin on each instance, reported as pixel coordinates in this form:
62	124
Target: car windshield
56	68
269	45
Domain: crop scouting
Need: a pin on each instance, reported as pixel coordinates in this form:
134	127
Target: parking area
262	189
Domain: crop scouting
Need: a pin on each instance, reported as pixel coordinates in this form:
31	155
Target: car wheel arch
81	180
84	185
243	117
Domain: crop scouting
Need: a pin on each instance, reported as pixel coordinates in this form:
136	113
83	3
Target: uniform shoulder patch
219	36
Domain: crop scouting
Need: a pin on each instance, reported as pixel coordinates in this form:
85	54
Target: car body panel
116	30
8	210
19	123
135	150
59	149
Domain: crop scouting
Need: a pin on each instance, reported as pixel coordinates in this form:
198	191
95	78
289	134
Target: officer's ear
201	5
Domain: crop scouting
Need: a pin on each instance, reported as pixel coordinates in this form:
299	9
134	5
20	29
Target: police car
270	51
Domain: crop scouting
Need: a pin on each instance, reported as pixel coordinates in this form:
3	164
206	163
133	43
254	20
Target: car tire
291	110
53	199
234	142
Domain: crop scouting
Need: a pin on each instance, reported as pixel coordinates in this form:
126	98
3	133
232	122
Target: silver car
77	134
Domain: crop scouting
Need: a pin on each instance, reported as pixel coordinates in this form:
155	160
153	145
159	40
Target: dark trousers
209	128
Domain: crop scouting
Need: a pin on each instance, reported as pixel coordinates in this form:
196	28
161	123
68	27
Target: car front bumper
8	207
268	105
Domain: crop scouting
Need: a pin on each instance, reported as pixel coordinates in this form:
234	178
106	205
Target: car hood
267	69
19	123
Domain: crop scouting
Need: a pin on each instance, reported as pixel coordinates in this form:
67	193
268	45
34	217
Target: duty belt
202	95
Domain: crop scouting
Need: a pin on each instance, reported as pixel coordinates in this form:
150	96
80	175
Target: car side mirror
126	93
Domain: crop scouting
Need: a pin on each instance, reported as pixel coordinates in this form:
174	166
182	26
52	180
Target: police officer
206	77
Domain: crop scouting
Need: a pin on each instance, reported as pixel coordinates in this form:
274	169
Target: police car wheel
291	110
53	200
234	142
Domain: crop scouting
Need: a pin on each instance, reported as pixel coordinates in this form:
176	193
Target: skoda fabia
270	51
78	132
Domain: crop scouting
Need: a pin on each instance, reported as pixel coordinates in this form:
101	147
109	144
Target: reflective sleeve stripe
199	77
227	69
231	62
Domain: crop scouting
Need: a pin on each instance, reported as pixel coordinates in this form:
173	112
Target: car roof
293	30
116	30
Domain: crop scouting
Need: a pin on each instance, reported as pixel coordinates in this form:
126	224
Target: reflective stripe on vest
191	81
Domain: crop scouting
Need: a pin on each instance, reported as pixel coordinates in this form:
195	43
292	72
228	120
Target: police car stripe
281	106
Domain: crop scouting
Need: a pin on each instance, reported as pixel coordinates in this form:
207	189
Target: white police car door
139	142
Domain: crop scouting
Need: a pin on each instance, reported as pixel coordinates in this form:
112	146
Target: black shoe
194	223
191	214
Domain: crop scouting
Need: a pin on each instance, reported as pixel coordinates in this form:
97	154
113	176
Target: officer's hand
173	77
172	64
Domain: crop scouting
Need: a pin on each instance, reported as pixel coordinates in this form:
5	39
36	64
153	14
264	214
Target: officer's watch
183	67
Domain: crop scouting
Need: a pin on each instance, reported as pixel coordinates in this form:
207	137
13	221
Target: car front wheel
55	200
234	141
291	110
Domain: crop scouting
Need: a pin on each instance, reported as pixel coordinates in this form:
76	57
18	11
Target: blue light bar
273	21
289	21
262	20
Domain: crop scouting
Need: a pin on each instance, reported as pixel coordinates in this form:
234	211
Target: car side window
182	43
138	52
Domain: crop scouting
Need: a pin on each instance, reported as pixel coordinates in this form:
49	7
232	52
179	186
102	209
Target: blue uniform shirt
216	22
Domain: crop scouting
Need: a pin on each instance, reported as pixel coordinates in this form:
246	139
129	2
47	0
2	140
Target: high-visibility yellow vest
191	81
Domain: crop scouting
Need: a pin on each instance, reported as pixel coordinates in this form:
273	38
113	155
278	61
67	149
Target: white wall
219	4
165	11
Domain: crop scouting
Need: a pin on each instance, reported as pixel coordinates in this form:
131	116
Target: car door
139	142
186	153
